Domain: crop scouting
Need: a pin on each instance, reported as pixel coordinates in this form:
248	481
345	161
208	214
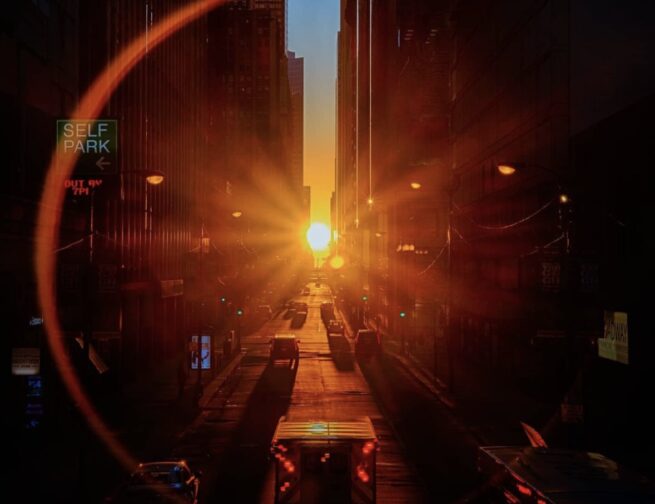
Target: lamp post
450	189
453	185
201	252
151	177
510	168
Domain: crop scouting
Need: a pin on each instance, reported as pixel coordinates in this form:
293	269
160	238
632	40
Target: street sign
95	141
82	187
614	343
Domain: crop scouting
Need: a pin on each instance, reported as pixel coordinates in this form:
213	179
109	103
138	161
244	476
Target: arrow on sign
101	163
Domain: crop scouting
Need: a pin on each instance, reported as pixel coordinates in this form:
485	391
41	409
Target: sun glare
318	236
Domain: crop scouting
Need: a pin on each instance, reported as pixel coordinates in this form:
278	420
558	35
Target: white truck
325	461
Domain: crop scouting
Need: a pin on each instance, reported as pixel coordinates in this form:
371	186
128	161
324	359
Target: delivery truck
325	461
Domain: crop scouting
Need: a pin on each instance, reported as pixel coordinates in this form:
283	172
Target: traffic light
403	314
239	312
364	297
223	299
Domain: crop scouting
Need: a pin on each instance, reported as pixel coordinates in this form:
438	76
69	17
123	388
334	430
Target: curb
439	395
439	390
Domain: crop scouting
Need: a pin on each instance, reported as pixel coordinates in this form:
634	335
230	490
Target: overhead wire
505	226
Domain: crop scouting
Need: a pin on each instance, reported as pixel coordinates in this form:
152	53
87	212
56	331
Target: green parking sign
94	141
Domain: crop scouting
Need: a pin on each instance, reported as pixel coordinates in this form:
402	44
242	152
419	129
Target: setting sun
318	236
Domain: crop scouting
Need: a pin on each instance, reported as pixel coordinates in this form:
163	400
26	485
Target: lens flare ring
48	222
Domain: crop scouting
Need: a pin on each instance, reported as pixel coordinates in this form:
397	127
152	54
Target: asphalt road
425	454
230	440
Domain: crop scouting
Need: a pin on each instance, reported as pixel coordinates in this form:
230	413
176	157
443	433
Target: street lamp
152	177
509	168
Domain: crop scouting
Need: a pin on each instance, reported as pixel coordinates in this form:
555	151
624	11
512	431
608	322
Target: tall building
306	206
39	44
146	231
280	11
252	130
246	99
297	87
126	299
536	275
38	85
392	117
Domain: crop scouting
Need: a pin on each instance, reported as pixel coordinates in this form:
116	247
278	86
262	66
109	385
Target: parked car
300	306
167	481
264	311
335	327
367	343
299	319
285	346
327	312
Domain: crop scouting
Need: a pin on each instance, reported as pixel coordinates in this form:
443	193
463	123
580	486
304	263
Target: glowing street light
507	169
154	177
237	214
415	185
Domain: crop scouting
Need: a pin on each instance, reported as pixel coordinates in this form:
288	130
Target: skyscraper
296	85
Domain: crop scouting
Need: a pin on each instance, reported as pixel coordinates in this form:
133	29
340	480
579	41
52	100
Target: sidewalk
489	407
161	390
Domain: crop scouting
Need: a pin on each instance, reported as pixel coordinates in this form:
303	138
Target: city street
230	440
328	251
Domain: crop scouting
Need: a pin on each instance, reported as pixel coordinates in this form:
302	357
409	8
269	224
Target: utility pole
90	279
201	252
450	333
434	340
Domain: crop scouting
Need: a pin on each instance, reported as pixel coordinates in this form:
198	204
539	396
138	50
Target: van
367	343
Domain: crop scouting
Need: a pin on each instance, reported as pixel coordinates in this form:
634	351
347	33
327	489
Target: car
299	319
335	327
162	481
300	306
285	346
327	312
264	311
367	343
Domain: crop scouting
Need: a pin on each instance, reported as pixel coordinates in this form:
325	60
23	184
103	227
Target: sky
313	26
